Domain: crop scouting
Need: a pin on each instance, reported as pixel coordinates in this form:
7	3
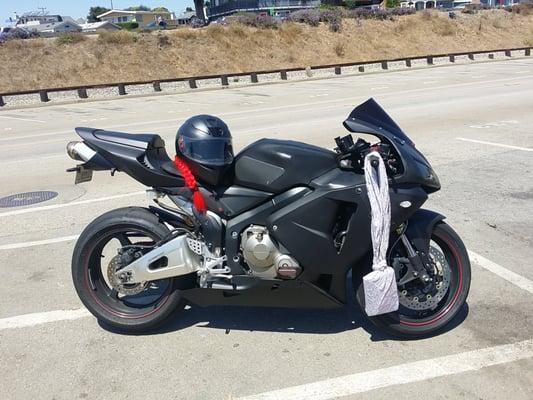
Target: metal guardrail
254	75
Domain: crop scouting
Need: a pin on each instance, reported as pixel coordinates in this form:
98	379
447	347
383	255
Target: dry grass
339	49
122	56
117	37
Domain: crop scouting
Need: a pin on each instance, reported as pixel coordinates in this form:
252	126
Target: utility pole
112	5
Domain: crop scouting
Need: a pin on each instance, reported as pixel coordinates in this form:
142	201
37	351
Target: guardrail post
452	58
192	83
408	62
2	103
44	96
508	53
157	86
527	52
338	70
224	80
82	93
121	89
253	78
283	75
429	60
361	68
384	65
491	56
471	56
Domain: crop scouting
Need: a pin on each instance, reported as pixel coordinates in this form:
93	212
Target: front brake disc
429	298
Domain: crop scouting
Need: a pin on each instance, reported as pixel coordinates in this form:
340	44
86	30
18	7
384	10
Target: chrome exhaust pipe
79	151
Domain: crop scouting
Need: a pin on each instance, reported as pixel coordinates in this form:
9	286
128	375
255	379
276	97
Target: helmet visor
212	151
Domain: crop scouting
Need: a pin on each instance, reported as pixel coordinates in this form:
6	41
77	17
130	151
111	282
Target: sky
80	8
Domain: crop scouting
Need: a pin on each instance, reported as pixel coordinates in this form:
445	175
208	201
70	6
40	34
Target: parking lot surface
473	122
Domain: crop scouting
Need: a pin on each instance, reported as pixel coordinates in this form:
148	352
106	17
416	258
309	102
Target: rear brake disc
123	289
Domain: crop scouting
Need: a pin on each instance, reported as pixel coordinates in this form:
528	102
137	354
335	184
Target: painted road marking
495	124
62	155
75	203
38	242
504	273
23	119
401	374
28	320
506	146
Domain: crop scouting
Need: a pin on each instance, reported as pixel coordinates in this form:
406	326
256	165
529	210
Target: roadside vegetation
247	43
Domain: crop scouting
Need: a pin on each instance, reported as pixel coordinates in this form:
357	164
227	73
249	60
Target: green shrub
351	4
70	38
128	25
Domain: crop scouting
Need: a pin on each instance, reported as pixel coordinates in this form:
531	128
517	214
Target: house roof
47	27
97	25
131	12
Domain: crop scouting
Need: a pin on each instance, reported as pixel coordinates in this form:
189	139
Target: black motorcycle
280	224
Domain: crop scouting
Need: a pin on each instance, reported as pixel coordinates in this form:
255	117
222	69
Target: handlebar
354	154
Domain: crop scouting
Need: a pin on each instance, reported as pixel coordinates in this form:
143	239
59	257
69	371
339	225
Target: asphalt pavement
473	122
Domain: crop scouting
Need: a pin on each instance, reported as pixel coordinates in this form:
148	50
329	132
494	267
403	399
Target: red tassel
197	197
199	201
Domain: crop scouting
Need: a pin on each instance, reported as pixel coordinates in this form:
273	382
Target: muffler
174	258
79	151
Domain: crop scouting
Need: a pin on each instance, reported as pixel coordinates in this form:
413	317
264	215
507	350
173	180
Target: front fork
415	264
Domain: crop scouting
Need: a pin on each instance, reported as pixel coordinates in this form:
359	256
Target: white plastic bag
381	293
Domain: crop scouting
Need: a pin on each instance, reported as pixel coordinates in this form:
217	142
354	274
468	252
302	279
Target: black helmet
204	141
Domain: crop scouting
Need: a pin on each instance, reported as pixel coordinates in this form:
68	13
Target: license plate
83	175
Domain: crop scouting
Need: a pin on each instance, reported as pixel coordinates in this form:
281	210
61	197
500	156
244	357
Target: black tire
86	261
399	325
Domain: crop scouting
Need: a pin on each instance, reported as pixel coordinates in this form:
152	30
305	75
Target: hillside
39	63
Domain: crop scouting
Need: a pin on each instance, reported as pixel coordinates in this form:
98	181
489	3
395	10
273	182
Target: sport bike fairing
370	118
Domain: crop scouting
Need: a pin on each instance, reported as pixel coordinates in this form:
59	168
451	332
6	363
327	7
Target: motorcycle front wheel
422	312
96	257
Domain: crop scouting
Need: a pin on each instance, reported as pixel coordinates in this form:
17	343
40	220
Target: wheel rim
140	305
417	318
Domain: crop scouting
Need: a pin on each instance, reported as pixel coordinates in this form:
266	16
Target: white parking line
23	245
504	273
506	146
27	320
75	203
401	374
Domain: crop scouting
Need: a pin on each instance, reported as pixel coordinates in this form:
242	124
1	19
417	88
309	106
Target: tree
188	9
94	12
199	6
160	9
392	3
138	8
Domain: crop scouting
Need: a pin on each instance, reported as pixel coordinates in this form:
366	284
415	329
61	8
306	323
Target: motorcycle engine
263	256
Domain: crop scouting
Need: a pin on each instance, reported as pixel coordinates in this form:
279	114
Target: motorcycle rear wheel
143	308
403	323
